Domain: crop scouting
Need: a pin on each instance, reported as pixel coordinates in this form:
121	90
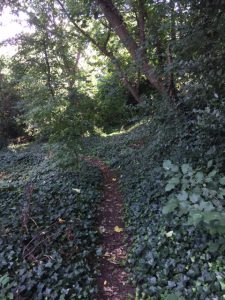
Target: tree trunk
141	26
140	18
48	71
171	82
131	89
172	91
116	21
105	52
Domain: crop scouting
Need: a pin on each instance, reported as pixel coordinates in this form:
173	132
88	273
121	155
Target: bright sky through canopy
10	26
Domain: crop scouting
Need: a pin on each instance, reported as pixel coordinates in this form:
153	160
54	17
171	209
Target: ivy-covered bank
172	180
173	184
48	238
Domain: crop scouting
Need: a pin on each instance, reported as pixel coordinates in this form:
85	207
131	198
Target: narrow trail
112	282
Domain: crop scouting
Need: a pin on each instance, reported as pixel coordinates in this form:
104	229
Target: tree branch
116	21
103	49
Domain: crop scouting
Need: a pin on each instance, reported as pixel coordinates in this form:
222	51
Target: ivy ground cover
47	226
176	253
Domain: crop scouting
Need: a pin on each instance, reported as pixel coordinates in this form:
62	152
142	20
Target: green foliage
169	258
111	99
197	194
6	287
48	239
8	111
115	106
64	119
70	126
53	87
199	62
176	221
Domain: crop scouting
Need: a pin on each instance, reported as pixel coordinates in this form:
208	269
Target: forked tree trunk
117	23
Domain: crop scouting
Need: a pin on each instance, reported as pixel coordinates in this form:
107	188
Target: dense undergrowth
48	238
171	170
178	250
99	66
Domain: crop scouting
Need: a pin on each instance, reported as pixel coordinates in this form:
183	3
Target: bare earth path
112	282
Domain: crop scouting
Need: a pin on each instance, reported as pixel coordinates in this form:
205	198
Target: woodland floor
112	282
169	259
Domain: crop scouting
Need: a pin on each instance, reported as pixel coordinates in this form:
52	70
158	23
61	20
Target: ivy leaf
10	296
99	251
221	280
213	247
212	173
175	296
183	196
170	206
167	165
169	187
194	198
199	177
174	180
172	183
174	168
209	164
206	206
222	181
185	168
4	279
194	218
221	193
211	216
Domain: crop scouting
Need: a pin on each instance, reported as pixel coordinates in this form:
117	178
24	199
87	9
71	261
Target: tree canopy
136	83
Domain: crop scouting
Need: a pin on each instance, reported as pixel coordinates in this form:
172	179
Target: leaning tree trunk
116	21
127	84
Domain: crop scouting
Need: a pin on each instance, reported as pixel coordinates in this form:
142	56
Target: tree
116	20
102	47
8	111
